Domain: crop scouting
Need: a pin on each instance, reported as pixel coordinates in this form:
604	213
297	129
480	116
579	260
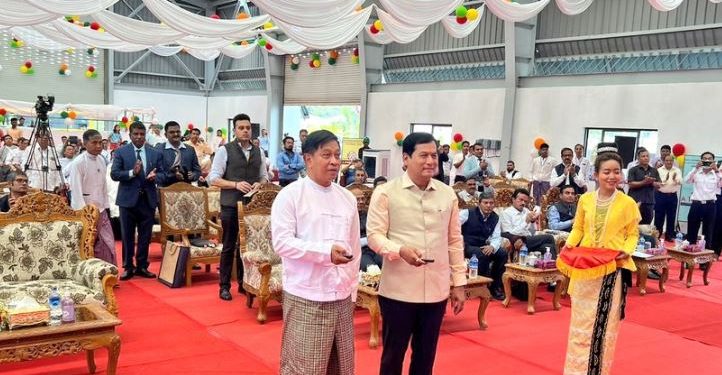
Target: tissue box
653	251
692	248
545	264
16	317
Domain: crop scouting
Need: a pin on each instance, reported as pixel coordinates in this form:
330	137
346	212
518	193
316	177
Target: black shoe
498	295
127	275
653	275
552	287
196	267
145	273
225	295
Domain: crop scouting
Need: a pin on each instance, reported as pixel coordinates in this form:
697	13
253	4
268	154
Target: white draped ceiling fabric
93	111
316	24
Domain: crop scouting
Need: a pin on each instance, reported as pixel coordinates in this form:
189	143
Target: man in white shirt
6	152
542	168
42	169
458	162
658	160
586	169
705	180
510	173
88	186
154	137
471	193
566	173
105	152
315	231
518	224
18	155
66	157
665	197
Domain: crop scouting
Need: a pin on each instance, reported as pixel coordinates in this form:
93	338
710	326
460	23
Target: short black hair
511	161
13	175
196	131
445	146
170	124
520	191
465	143
316	140
578	144
302	130
137	125
63	136
13	119
413	139
544	146
666	147
379	179
707	153
287	138
90	133
564	187
241	117
478	143
470	178
566	149
641	150
7	136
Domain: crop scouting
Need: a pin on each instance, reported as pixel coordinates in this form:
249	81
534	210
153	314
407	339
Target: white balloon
154	121
295	60
69	122
68	72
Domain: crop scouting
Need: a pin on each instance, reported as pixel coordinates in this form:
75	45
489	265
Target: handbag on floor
173	266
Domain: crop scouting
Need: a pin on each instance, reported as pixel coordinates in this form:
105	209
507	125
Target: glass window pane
422	128
442	134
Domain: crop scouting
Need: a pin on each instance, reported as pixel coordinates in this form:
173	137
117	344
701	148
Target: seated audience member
360	177
560	215
482	237
380	180
518	224
511	173
368	256
18	188
471	191
486	186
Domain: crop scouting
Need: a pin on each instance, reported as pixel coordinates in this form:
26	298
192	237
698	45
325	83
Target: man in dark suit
180	162
137	166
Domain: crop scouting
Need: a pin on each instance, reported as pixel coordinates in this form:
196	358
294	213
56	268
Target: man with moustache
542	168
458	162
289	163
180	162
568	174
643	180
510	173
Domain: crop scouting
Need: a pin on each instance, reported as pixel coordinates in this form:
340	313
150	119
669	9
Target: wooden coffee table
659	263
368	298
94	328
532	277
690	259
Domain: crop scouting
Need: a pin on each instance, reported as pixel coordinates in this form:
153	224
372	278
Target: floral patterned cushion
258	240
252	276
39	251
197	252
40	290
214	200
185	209
90	273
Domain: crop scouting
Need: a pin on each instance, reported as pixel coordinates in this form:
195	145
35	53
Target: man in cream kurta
413	221
88	186
315	231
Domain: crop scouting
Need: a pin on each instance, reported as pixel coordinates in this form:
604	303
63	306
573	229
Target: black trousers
139	218
404	321
283	182
229	222
534	243
369	257
665	209
497	261
700	214
717	235
647	212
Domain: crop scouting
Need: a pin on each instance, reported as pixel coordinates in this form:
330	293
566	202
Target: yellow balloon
472	14
317	63
88	74
379	25
680	161
267	25
23	69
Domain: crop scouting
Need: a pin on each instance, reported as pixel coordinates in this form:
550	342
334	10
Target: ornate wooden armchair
551	197
520	183
183	209
44	243
264	198
213	214
269	186
262	276
459	186
363	195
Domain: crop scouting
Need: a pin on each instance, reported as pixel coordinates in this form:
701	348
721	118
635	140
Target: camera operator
179	161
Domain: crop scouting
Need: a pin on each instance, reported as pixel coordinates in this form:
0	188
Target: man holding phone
315	231
705	180
413	222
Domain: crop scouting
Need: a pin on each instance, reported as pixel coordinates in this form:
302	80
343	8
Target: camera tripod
41	130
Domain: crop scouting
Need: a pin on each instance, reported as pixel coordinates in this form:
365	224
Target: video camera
43	106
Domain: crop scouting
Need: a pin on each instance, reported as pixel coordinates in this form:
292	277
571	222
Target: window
627	140
442	132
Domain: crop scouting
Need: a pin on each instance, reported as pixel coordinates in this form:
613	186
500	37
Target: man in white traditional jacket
88	186
43	165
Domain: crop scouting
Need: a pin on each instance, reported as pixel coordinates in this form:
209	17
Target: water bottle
701	243
548	255
473	267
56	312
523	252
678	241
68	307
640	244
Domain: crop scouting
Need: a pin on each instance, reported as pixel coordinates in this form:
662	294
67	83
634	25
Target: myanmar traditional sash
587	263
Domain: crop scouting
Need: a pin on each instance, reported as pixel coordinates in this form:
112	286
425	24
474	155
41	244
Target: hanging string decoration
16	43
90	72
354	57
315	61
295	62
64	70
332	57
27	68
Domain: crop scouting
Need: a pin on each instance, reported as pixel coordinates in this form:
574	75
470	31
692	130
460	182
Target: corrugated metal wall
617	16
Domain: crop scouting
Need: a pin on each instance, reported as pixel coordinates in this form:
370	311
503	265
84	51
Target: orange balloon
72	115
538	142
398	136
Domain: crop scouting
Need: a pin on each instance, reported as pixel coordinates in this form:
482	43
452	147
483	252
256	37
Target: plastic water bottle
56	312
640	244
523	252
678	241
701	243
68	307
473	267
548	254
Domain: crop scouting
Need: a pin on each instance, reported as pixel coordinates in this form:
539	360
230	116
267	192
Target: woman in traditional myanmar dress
606	232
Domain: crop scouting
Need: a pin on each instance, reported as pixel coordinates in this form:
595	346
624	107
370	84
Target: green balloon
262	42
64	114
461	11
315	56
294	66
331	61
210	129
400	142
2	119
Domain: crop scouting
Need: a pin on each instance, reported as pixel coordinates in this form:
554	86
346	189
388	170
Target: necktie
176	162
137	155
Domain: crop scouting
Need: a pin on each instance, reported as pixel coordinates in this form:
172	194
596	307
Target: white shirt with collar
542	169
218	168
705	185
586	169
563	179
671	179
514	221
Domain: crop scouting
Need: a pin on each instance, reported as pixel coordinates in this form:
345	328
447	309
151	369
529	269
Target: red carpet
191	331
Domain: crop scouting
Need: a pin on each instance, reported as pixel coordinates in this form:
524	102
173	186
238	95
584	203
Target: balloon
28	64
294	66
461	11
64	67
3	111
315	56
295	60
269	46
262	42
209	129
378	25
310	63
68	72
331	61
680	161
31	71
89	74
136	118
91	68
244	43
242	16
190	126
472	14
538	142
461	20
24	69
400	142
333	54
373	29
69	122
124	120
355	51
72	115
398	136
61	72
267	25
95	26
64	114
2	119
678	150
316	63
458	137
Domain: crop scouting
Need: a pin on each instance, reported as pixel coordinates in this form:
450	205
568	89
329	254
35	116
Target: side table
659	263
532	277
690	259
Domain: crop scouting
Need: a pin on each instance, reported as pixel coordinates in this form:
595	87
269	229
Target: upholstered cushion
647	229
197	252
90	273
252	276
39	251
214	200
40	290
185	209
258	239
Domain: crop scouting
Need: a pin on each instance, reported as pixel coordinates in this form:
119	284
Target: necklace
605	201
